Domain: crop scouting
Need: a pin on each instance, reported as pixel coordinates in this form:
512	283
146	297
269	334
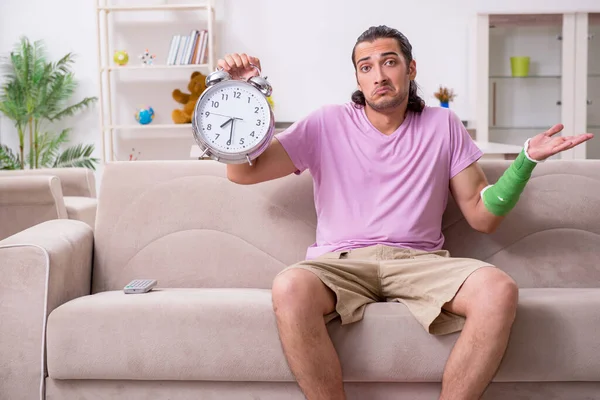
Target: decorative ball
121	57
144	115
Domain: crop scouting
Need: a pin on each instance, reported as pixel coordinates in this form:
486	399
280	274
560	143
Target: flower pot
519	66
444	104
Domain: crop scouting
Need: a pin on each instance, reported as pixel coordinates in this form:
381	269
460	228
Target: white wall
304	46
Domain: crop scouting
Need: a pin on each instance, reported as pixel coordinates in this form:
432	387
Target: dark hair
415	103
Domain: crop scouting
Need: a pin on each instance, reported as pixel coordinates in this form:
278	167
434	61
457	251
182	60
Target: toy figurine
133	156
147	58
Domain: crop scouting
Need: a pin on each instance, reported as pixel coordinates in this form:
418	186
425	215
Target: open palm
546	144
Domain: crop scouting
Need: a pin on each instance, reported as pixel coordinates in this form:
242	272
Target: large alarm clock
233	122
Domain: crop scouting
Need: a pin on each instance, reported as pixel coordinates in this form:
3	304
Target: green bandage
502	196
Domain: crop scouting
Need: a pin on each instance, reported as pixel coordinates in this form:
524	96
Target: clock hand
226	122
230	133
222	115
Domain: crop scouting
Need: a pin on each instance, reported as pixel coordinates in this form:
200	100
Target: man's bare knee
496	298
299	290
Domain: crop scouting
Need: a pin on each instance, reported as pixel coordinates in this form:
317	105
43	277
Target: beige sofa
208	332
31	196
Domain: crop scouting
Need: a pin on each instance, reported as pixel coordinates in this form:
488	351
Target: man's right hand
274	162
238	65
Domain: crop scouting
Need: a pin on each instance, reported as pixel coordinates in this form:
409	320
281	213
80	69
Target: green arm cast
502	196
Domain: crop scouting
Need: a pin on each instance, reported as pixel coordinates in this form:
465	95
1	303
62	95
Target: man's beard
388	103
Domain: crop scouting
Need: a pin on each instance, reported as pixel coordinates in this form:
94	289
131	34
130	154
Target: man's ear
412	70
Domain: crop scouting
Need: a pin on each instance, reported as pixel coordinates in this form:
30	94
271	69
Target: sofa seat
231	335
82	209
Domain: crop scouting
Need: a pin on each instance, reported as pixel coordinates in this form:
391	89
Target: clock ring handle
256	68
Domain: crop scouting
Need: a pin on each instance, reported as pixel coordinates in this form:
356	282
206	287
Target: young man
383	166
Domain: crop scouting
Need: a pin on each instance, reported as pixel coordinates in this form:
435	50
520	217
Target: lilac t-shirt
371	188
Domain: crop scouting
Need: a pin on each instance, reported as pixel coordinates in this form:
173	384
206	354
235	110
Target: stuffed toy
196	86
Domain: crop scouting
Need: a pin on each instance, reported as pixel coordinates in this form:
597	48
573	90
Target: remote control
140	286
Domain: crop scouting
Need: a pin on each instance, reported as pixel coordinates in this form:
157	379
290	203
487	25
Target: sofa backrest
74	181
552	236
28	200
184	224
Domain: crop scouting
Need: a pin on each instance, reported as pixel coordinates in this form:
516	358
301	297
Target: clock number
224	96
258	121
207	114
217	135
242	141
237	95
209	127
215	104
248	99
252	134
255	110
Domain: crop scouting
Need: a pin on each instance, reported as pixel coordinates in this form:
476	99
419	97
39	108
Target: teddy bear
196	86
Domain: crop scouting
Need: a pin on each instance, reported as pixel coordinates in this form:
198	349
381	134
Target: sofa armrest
26	201
40	268
74	181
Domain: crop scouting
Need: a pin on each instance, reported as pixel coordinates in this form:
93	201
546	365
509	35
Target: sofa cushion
231	334
217	233
550	239
82	209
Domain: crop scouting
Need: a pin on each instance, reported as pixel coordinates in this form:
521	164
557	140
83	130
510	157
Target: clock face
233	117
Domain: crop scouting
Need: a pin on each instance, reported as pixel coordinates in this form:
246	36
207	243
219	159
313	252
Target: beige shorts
423	281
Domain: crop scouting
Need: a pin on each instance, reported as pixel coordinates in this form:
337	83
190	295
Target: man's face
382	74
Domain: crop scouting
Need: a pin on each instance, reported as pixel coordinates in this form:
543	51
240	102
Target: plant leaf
76	156
49	147
72	110
8	159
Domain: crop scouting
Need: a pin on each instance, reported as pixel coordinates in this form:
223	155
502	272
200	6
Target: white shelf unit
111	127
142	67
158	7
561	84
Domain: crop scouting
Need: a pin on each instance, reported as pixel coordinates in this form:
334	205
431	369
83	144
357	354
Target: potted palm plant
35	94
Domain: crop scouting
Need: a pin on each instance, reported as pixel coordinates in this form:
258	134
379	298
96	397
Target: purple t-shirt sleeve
301	141
463	150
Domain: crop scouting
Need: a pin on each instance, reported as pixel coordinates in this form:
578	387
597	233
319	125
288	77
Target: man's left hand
546	144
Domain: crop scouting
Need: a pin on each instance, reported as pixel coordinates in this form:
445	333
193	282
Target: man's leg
488	299
300	301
